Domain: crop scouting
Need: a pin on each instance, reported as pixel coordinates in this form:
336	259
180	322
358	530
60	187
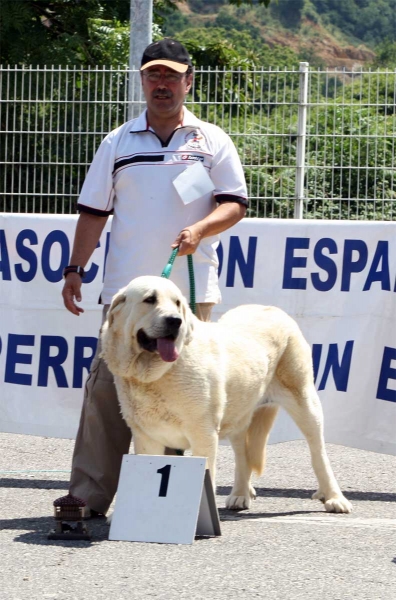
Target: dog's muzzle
164	343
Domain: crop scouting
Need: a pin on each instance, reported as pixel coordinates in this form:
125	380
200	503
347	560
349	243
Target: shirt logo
195	157
195	139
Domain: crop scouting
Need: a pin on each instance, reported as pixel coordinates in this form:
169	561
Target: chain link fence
314	144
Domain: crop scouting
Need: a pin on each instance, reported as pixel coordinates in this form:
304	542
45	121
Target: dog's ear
189	321
110	336
115	307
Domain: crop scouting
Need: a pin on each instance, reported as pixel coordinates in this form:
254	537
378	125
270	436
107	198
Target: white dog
183	383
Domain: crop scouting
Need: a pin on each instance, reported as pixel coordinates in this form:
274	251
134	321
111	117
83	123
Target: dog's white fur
228	381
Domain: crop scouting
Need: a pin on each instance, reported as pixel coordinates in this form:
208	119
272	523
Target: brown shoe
72	502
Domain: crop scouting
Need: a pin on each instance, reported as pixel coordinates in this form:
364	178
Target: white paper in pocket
193	183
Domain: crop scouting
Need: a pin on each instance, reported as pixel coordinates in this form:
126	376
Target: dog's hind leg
249	447
257	436
305	409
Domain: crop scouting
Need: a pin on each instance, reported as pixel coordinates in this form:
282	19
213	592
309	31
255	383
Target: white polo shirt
132	176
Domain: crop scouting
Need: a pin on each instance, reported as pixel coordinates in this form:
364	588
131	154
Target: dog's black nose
173	323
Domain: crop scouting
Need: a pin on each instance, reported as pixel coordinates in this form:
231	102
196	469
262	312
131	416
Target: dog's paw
241	501
338	504
238	502
108	519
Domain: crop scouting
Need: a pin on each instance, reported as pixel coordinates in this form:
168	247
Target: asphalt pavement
286	547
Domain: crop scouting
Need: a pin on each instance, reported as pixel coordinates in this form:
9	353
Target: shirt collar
189	120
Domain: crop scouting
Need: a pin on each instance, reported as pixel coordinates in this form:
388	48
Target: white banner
336	278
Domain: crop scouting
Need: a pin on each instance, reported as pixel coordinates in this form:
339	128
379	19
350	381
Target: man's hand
88	231
223	217
188	240
71	292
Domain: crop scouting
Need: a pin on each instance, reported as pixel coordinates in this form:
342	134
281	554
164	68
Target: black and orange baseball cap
167	52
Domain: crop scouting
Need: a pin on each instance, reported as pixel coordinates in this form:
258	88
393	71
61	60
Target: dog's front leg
205	444
144	444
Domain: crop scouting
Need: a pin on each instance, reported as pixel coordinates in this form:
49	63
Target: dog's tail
257	436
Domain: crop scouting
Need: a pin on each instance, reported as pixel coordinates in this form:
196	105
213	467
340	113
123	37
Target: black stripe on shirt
138	158
94	211
220	198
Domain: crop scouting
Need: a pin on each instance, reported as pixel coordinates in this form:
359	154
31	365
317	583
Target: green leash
166	273
168	269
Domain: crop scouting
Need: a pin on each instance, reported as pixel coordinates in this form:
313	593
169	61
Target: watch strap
74	269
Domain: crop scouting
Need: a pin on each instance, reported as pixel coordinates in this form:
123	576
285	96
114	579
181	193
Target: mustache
165	93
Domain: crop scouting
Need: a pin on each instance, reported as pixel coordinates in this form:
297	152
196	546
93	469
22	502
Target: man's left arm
222	218
230	193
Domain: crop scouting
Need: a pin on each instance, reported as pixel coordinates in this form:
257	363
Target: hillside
331	33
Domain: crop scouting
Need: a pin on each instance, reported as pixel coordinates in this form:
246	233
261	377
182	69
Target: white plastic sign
164	499
193	183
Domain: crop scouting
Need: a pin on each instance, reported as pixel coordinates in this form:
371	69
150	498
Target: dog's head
148	324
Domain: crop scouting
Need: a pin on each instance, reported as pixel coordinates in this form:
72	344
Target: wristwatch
73	269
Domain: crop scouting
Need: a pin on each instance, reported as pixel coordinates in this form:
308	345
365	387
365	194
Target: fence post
301	139
141	14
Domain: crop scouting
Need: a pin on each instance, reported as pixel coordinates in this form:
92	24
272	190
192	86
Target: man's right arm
88	231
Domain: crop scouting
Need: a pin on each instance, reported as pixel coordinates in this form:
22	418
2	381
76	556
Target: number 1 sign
164	499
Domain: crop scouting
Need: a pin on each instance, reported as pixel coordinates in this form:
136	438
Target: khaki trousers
103	436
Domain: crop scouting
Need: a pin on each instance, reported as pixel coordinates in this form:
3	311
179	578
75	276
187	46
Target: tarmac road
286	547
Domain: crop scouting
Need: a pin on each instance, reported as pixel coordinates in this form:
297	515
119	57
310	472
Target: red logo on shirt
195	139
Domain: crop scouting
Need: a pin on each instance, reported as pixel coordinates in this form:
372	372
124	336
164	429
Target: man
136	174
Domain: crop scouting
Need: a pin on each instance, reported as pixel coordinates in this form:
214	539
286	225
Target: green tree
289	18
351	176
368	20
385	55
66	31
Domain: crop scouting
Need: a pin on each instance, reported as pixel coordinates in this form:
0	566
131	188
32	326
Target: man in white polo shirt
169	179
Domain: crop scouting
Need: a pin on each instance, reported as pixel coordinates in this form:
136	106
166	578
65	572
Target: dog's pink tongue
167	349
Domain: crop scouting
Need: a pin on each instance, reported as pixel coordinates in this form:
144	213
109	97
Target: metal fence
314	144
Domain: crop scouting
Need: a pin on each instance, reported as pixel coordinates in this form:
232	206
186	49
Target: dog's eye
177	303
151	299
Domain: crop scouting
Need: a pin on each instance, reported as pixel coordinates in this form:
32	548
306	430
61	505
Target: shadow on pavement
235	515
299	493
41	484
56	484
36	530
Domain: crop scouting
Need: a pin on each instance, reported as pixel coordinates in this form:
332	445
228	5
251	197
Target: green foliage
290	18
385	55
233	62
55	31
89	100
354	165
223	48
171	27
376	90
370	21
163	9
206	6
110	42
67	32
251	2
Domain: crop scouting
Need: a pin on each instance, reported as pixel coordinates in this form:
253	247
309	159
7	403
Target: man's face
165	90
